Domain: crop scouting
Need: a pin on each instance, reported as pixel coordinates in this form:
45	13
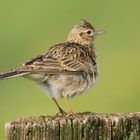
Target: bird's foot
71	114
61	113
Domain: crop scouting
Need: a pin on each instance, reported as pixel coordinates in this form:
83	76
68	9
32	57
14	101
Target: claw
71	114
61	113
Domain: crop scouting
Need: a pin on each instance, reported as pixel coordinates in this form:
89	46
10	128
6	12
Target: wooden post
85	126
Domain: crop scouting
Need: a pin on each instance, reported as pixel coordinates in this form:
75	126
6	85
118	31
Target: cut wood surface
84	126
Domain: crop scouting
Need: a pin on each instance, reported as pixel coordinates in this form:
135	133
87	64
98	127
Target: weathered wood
85	126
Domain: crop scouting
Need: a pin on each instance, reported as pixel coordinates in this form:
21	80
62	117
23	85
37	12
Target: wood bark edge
85	126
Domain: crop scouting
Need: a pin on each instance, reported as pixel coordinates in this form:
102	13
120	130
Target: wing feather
66	57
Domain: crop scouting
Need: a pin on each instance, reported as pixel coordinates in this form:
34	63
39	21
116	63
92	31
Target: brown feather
67	69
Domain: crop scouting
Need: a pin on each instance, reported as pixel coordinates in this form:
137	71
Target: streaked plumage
67	69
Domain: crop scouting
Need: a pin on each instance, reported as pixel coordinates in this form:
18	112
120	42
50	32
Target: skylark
67	69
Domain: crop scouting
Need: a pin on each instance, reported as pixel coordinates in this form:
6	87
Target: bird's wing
62	58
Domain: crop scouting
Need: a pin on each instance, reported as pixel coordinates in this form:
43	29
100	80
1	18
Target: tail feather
11	74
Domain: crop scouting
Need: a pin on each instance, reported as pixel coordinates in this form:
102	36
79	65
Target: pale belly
69	85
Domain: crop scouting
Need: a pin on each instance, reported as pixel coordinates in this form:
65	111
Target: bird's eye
88	32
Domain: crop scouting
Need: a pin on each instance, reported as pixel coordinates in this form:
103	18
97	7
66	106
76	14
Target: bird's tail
13	73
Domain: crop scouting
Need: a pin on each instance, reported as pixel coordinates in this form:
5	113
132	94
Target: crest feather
86	24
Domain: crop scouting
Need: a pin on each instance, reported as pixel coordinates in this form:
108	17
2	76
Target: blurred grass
29	28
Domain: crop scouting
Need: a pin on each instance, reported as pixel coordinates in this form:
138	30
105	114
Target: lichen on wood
84	126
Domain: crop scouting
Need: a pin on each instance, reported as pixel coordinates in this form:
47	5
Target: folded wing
66	58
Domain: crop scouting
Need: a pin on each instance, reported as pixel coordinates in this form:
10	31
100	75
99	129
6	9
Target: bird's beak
100	32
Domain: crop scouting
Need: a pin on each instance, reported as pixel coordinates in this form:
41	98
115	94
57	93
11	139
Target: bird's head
83	34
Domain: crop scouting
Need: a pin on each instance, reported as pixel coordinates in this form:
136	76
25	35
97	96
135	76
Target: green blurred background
30	27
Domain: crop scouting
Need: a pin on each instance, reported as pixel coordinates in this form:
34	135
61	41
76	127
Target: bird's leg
70	112
61	111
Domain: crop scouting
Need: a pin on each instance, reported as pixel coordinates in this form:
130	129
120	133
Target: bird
67	69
